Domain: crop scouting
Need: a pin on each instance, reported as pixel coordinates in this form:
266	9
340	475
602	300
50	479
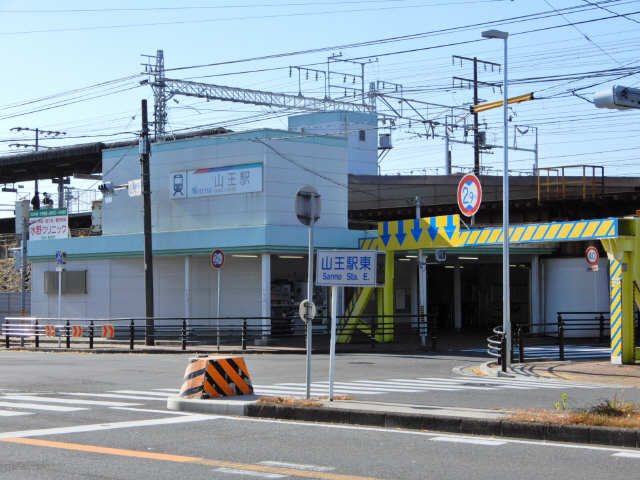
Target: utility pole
36	146
148	249
23	258
476	83
155	69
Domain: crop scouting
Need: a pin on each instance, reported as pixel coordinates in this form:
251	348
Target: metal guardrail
224	331
566	322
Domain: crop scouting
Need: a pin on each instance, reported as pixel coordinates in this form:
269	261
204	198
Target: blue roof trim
277	236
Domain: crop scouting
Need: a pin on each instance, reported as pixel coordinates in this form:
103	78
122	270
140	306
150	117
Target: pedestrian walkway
16	404
20	404
416	385
601	372
571	352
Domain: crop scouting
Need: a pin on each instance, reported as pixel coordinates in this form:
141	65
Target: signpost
593	256
61	259
339	269
217	260
307	208
469	195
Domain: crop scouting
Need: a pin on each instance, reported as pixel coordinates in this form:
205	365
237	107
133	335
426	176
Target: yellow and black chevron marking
213	377
445	232
543	232
615	269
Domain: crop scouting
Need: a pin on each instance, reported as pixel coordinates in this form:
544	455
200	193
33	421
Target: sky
75	67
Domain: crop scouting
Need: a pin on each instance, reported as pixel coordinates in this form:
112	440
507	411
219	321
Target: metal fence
11	304
222	332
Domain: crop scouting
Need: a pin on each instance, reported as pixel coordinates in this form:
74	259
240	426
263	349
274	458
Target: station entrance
477	283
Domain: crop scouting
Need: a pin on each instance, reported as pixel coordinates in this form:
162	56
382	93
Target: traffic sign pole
217	260
332	346
310	321
307	207
218	309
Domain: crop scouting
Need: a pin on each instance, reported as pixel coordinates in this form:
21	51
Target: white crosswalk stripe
70	401
141	392
114	395
416	385
13	413
39	406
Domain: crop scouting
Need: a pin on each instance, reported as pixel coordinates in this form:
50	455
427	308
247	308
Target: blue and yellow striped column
615	299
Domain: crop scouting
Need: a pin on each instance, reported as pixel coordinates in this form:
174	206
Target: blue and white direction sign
61	257
347	268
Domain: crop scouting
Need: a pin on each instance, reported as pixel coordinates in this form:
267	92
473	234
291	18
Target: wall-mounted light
242	255
291	256
468	258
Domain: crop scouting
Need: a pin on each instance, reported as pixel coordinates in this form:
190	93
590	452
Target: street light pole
506	295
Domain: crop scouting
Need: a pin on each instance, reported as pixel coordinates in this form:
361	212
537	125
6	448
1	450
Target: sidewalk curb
494	372
249	407
499	428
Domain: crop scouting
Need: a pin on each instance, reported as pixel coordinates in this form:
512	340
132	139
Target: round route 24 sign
469	195
592	255
217	259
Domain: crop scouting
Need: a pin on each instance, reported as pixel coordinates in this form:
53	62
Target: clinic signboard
208	182
48	224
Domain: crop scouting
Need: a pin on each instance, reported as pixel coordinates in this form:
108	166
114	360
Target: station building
231	191
235	192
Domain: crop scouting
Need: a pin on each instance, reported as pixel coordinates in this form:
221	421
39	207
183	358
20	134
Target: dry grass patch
336	397
290	401
608	413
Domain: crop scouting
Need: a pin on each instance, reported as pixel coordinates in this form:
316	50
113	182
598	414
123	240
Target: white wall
287	165
116	288
569	287
362	156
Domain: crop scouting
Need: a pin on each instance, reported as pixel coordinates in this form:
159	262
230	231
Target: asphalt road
106	418
428	379
227	448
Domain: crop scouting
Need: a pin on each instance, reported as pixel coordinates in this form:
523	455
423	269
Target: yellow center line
182	459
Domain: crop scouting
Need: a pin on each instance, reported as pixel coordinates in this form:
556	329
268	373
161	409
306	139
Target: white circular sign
592	255
469	195
217	259
307	310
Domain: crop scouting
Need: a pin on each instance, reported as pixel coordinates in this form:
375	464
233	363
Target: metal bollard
561	339
132	332
184	334
6	334
520	344
91	335
244	334
36	338
503	352
68	333
601	331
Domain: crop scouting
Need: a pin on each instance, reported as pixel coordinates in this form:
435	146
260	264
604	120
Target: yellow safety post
389	264
624	256
615	300
628	338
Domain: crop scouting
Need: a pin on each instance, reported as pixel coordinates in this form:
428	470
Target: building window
363	135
